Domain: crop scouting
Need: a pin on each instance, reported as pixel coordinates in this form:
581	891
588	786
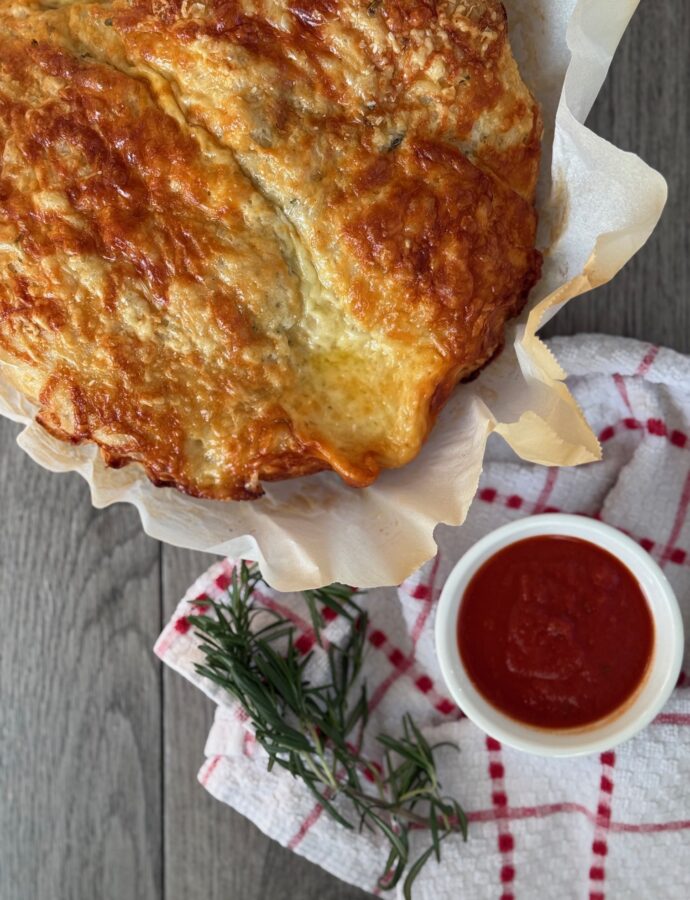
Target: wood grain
80	716
99	750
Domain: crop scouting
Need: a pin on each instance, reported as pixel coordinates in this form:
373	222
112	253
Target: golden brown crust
245	241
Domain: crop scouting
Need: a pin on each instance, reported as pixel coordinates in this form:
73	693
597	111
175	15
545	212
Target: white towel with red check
614	825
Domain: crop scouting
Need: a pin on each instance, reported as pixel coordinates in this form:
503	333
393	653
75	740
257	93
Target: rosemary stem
307	729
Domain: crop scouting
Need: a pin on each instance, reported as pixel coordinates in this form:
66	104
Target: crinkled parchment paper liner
598	205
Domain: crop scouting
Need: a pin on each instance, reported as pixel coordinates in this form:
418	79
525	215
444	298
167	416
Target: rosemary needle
315	730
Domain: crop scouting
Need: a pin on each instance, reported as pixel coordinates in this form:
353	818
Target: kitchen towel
614	825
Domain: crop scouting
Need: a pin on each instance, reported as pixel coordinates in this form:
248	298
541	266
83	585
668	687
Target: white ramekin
662	673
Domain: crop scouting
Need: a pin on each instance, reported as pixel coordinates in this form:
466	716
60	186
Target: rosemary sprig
315	730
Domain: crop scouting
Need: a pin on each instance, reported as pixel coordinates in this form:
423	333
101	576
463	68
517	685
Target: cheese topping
249	239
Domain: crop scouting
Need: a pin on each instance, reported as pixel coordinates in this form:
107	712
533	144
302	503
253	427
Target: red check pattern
499	798
597	872
603	827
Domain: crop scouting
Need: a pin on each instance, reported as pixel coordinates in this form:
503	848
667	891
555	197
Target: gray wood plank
80	729
211	852
644	107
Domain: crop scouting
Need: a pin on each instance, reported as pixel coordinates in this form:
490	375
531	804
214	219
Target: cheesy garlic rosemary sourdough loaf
245	240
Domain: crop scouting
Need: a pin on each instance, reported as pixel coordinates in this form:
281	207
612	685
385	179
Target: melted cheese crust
243	240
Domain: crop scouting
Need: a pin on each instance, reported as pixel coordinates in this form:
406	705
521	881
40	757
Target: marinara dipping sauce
555	632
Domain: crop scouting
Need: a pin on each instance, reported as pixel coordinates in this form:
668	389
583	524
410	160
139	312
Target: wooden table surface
99	747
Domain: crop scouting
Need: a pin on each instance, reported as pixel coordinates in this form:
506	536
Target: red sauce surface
555	632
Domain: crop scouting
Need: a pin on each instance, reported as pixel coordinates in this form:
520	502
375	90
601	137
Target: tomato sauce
555	632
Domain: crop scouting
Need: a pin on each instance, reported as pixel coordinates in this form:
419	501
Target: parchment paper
598	205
